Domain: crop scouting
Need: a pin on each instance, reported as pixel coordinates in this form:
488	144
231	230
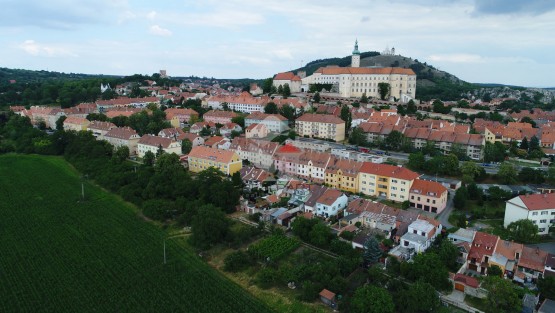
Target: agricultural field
274	247
61	254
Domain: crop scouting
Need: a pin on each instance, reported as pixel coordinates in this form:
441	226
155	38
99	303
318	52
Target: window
534	213
544	212
541	230
543	221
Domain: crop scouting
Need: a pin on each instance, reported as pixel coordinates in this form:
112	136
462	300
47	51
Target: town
348	156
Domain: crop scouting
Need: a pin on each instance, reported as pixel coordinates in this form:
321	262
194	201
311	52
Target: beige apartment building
321	126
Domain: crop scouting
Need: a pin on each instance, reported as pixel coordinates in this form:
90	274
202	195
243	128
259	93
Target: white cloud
225	19
457	58
159	31
151	15
34	48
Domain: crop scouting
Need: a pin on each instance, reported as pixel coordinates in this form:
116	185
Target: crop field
274	247
59	254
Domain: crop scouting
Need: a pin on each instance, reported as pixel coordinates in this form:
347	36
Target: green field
59	254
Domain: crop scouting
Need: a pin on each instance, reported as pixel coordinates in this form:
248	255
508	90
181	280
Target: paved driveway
546	246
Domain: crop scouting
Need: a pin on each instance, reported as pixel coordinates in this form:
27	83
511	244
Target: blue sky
494	41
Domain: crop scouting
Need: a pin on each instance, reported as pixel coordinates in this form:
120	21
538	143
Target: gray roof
414	238
548	306
278	212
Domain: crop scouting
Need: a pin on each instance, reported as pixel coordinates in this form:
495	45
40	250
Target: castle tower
355	58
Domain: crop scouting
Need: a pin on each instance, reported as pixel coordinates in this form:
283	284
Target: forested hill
431	83
10	76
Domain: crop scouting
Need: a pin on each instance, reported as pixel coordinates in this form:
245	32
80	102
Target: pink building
428	195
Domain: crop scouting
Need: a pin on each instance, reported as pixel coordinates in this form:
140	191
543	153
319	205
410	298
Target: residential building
539	208
421	234
258	152
256	131
531	265
294	81
228	128
274	122
76	123
481	251
384	180
194	139
217	142
506	256
219	117
321	126
428	196
201	158
174	133
331	203
123	136
155	143
343	174
99	129
180	117
255	177
372	214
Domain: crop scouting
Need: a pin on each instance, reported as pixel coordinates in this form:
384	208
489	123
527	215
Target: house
258	152
549	270
256	131
228	128
462	235
539	208
428	196
123	136
531	265
194	139
273	122
156	143
343	174
321	126
197	127
219	117
315	191
481	251
421	234
506	256
53	116
331	203
174	133
76	123
327	297
179	117
371	214
467	284
217	142
311	165
287	78
384	180
99	129
201	158
254	177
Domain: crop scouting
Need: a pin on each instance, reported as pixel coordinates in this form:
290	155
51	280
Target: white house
331	203
539	208
421	234
154	143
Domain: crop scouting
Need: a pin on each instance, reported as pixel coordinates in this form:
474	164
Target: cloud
533	7
151	15
225	19
282	54
33	48
457	58
159	31
365	19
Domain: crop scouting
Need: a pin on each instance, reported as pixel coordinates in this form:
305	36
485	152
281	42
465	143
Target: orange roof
329	196
327	294
320	118
76	120
213	140
264	116
122	133
508	249
156	141
286	76
387	170
539	201
467	280
207	153
288	148
428	188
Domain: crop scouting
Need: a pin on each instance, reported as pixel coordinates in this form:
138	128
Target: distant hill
30	76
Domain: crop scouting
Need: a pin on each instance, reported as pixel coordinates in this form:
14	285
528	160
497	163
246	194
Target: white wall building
539	208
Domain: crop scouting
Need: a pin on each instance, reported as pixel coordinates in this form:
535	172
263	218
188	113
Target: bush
237	261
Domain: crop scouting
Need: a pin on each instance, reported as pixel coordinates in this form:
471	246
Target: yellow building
389	181
201	158
321	126
343	174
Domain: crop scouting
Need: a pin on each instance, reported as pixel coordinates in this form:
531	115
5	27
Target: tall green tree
316	97
372	251
546	286
460	198
186	146
420	297
534	143
60	123
470	171
346	116
411	107
364	98
502	296
286	90
524	144
507	173
384	89
209	226
416	161
271	108
372	299
358	137
524	231
148	158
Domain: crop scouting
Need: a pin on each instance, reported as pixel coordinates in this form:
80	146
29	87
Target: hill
431	83
64	255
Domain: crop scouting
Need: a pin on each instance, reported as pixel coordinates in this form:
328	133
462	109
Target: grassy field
59	254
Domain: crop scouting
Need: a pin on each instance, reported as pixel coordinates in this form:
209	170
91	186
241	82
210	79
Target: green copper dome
355	51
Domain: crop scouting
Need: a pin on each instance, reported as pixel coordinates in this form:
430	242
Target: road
443	217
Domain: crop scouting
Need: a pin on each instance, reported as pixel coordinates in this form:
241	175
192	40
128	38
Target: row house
217	142
244	102
313	166
376	132
373	215
343	174
201	158
256	131
254	177
194	139
471	144
384	180
174	133
219	117
39	114
99	129
331	203
104	105
274	122
155	143
481	251
321	126
76	123
428	195
121	111
123	136
258	152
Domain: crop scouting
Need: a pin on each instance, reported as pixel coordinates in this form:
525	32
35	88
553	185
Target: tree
288	112
470	171
186	146
358	137
494	152
384	89
416	161
546	286
209	226
346	116
286	90
148	158
316	97
429	267
524	231
364	98
320	235
420	297
530	175
372	251
372	299
120	154
411	107
267	85
495	270
528	120
271	108
236	180
507	173
60	123
524	144
502	296
534	143
448	253
394	140
239	120
460	198
439	107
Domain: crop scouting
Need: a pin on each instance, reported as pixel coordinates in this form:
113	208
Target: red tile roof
428	188
326	294
288	148
483	244
207	153
320	118
155	141
467	280
329	196
387	170
539	201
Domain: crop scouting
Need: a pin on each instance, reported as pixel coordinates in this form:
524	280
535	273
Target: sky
482	41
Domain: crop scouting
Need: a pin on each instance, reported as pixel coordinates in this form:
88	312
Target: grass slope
61	255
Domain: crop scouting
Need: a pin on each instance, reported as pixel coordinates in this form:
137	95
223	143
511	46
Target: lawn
59	254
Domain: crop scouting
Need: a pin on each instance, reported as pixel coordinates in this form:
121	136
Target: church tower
355	58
